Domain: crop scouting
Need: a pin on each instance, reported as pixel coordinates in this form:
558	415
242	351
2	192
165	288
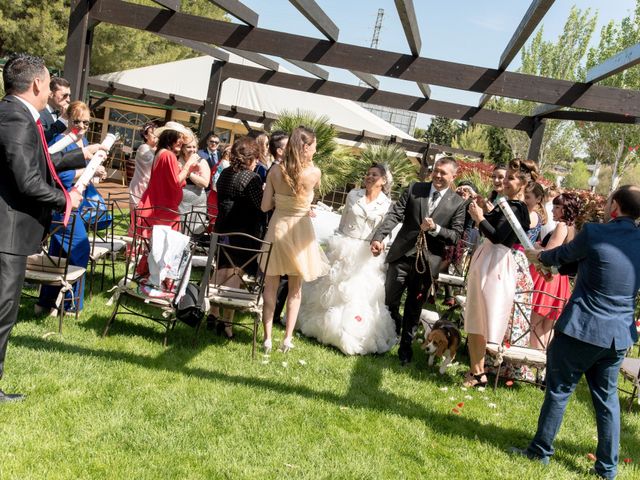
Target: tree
578	177
499	148
441	131
559	59
329	157
25	26
473	138
611	143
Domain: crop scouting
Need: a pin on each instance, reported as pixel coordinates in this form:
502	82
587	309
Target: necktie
54	175
434	200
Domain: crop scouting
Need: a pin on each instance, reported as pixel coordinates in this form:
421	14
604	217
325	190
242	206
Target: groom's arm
394	216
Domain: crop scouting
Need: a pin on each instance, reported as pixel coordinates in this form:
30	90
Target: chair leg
111	318
104	267
495	383
61	316
93	266
634	392
113	266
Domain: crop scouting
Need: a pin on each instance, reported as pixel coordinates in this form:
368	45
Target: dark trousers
12	271
567	359
402	275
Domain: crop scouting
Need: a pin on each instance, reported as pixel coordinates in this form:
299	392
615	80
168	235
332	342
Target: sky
465	31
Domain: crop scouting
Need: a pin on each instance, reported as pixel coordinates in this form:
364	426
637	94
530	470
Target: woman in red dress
167	178
547	309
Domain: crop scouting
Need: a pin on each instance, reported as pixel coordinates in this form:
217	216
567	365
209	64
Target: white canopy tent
190	78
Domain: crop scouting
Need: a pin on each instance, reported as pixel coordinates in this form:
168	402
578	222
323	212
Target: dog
442	341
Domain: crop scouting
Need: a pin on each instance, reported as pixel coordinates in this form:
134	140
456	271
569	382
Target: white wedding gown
346	308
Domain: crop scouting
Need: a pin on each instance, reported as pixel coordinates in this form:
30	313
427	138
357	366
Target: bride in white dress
346	307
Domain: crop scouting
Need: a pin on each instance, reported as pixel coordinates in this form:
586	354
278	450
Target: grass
126	407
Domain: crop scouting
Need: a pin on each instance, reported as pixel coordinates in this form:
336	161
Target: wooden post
210	112
536	140
78	39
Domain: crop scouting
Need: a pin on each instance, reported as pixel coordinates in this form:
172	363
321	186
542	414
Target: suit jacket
410	209
50	126
27	191
204	153
601	308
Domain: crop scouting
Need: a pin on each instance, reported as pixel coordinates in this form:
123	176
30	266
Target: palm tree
394	157
330	157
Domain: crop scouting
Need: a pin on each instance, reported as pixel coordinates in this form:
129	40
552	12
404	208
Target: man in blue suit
596	327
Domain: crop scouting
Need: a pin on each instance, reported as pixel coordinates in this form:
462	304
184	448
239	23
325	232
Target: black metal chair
133	286
54	270
231	255
510	349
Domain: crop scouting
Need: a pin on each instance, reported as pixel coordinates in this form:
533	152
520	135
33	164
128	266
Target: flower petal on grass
302	362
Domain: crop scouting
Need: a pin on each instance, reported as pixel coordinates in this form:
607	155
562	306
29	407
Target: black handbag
191	307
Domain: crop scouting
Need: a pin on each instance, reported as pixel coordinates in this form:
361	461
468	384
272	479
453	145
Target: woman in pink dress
546	309
491	283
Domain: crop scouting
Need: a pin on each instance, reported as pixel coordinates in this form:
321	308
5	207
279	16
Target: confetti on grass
285	364
591	457
444	389
302	362
491	405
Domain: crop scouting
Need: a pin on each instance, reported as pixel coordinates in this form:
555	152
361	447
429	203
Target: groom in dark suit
437	210
53	116
595	328
28	181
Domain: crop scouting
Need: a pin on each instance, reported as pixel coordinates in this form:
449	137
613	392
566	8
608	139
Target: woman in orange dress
295	251
546	309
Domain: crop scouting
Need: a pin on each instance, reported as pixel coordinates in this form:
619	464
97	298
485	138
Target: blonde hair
77	108
294	161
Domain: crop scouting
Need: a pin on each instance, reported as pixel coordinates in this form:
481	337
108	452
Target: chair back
232	255
524	305
43	261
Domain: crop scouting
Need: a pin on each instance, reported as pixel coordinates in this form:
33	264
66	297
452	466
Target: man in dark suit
595	328
27	188
53	115
435	209
210	151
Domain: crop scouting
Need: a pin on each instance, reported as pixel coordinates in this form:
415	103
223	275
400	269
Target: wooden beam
256	58
407	15
199	47
75	68
545	109
587	116
627	58
173	5
239	10
536	140
318	18
210	113
370	80
528	24
368	60
379	97
425	89
164	99
311	68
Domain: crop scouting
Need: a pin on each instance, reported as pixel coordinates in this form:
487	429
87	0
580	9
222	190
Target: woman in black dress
239	198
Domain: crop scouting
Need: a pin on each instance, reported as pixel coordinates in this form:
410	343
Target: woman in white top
346	308
144	162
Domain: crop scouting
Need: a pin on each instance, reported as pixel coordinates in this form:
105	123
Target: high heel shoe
287	345
267	346
474	381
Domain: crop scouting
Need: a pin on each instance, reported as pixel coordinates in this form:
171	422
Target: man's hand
101	172
75	197
376	248
532	255
428	224
90	150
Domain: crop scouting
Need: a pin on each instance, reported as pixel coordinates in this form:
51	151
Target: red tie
52	170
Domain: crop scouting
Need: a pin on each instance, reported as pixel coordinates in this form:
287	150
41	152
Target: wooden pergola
584	101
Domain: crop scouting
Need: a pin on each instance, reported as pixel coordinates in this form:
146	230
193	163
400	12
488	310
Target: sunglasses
81	122
66	95
214	142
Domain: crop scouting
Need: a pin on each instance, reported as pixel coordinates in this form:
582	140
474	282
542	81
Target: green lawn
126	407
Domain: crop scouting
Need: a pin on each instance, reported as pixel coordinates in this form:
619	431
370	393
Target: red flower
461	404
358	318
591	457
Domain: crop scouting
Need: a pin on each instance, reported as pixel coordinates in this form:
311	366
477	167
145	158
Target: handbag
191	308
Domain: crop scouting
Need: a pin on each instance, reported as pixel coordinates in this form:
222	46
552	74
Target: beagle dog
442	341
